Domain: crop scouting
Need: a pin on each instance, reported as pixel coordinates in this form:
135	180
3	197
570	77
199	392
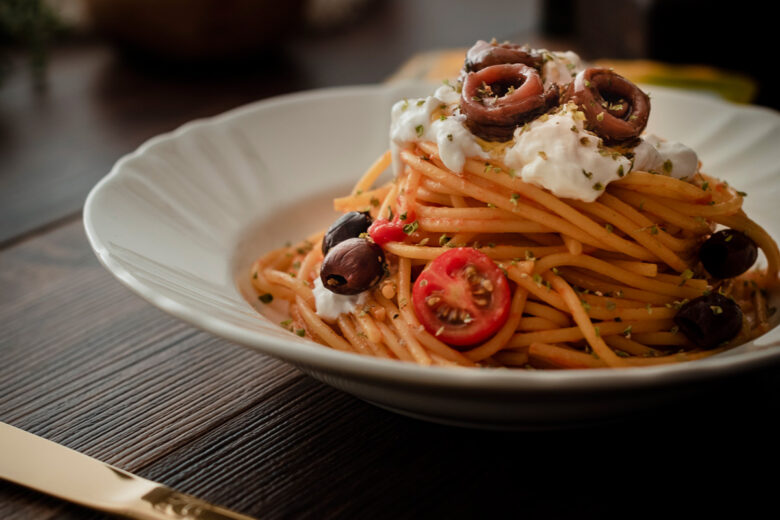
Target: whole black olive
728	253
709	320
348	225
352	266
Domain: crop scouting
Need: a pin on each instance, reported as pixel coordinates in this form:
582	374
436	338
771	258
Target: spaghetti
590	283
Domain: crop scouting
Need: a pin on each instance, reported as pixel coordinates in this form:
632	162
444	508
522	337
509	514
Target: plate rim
364	368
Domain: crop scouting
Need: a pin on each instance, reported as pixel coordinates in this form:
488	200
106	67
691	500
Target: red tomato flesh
383	231
462	298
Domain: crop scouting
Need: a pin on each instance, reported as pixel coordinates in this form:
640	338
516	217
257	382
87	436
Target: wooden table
87	363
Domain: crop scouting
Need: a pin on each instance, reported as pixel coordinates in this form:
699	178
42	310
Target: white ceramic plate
180	220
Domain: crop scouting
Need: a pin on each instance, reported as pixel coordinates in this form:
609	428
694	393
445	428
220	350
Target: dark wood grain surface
86	363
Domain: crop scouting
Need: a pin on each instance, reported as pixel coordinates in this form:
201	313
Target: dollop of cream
555	152
654	154
329	305
415	120
560	67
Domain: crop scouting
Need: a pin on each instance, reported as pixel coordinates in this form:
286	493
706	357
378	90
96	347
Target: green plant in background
30	25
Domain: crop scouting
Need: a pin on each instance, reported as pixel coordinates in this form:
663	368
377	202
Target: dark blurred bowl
192	30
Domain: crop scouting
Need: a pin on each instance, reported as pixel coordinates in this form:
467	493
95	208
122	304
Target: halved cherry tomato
462	298
383	231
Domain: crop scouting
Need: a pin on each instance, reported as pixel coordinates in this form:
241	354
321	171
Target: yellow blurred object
728	85
436	66
431	66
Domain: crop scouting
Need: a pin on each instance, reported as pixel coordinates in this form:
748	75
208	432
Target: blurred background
83	82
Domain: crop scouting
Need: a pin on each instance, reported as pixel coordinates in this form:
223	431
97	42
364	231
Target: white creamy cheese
411	121
665	157
330	305
557	153
560	67
554	151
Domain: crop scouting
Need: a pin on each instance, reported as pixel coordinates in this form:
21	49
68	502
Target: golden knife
46	466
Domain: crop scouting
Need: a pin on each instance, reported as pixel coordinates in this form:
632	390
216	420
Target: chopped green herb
620	171
627	331
449	137
538	279
742	194
705	186
514	198
716	309
609	228
420	102
728	238
668	166
305	248
598	332
420	129
266	298
587	174
411	228
686	275
402	216
600	116
301	332
598	186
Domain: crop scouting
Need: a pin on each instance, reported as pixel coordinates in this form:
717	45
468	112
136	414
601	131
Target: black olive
728	253
352	266
348	225
709	320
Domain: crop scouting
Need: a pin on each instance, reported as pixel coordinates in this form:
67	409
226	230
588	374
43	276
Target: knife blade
49	467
